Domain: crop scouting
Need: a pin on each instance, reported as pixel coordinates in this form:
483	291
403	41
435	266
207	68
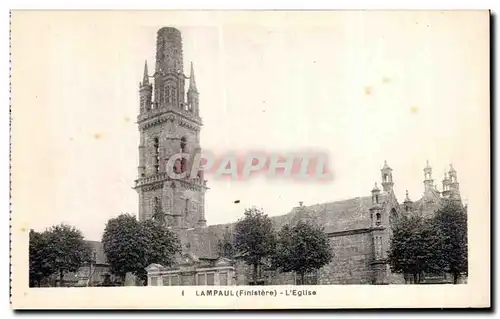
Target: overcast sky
362	86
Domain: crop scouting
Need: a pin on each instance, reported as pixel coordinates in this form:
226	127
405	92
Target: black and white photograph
191	156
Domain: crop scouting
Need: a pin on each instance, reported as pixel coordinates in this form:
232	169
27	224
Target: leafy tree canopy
302	248
161	244
131	246
254	238
69	249
451	226
66	249
431	245
121	245
40	266
413	245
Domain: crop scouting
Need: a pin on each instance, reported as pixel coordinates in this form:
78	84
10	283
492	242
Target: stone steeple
192	80
145	76
407	202
428	181
387	182
453	184
192	94
168	127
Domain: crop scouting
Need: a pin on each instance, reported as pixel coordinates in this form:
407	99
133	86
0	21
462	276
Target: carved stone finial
192	81
145	77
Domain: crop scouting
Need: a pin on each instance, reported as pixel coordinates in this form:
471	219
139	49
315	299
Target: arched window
156	145
187	207
386	178
376	199
170	93
379	248
183	150
379	219
183	144
177	166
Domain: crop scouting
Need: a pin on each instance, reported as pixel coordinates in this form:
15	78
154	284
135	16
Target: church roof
333	216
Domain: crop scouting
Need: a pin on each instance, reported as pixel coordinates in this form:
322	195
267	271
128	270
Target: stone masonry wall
351	260
352	255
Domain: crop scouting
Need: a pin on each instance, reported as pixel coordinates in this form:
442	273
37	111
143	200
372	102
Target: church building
169	123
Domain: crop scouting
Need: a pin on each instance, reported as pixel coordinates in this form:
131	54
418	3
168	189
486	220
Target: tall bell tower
169	123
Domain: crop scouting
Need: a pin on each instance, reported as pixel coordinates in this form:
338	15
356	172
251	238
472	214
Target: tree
302	249
39	265
66	249
413	246
160	244
131	246
254	238
451	225
121	247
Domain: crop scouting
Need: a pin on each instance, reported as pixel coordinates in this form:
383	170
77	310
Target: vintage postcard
250	159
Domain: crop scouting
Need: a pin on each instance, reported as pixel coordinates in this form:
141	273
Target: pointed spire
386	177
427	168
145	77
192	80
407	198
452	175
427	174
386	166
